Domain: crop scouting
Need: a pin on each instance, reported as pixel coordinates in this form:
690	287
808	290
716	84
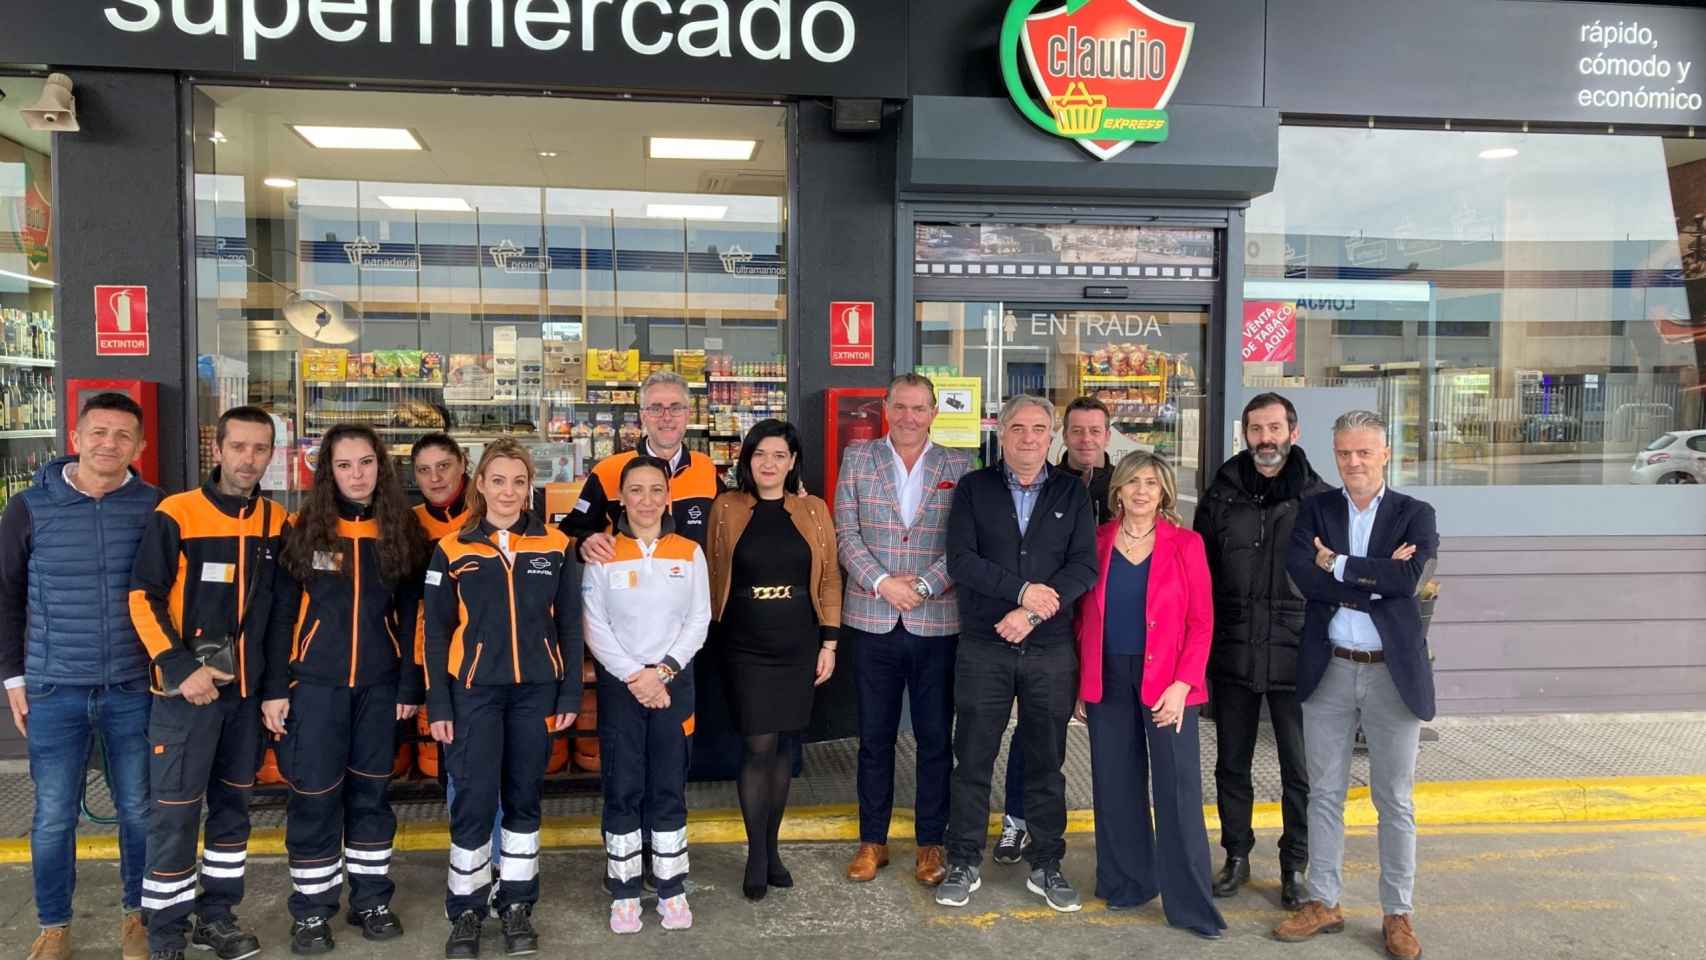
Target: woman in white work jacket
647	610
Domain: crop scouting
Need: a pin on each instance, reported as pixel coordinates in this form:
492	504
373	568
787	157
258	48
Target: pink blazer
1180	607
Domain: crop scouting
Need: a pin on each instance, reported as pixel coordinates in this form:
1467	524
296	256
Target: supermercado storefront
1481	218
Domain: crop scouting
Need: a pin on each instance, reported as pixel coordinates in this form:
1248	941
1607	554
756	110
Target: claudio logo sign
1100	71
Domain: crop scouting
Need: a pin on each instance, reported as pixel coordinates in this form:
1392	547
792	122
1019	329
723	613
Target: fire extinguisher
865	423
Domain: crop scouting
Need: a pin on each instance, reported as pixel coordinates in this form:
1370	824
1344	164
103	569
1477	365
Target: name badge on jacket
218	572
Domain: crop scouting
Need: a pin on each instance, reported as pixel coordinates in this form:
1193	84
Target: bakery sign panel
1100	71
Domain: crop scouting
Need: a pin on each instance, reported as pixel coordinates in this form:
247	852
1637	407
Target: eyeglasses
658	410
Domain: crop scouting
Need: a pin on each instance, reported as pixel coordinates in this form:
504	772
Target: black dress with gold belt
770	629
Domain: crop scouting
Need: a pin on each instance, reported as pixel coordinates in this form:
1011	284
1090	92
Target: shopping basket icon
1078	112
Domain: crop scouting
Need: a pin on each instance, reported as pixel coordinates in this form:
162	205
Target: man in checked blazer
901	617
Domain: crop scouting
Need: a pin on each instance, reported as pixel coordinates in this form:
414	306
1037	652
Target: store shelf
27	362
1104	379
748	379
410	384
27	434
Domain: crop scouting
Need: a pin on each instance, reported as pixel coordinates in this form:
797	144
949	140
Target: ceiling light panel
358	138
692	148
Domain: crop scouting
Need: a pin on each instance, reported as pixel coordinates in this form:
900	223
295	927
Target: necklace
1136	537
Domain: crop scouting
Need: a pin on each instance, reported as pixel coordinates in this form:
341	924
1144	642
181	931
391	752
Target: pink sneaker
625	916
675	913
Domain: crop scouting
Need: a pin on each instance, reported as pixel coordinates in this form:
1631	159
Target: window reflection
485	284
1528	309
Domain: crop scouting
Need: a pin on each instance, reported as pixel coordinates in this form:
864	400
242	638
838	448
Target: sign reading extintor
121	320
1103	68
852	332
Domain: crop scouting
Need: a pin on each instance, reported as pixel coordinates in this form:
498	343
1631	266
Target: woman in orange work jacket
344	608
503	655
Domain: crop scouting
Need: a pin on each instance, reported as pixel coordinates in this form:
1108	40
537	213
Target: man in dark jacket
1245	521
1084	432
71	661
1021	551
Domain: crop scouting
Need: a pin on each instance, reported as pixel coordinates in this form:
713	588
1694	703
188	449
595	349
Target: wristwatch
1032	617
920	587
664	673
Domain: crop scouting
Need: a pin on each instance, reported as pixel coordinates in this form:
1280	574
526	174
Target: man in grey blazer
892	499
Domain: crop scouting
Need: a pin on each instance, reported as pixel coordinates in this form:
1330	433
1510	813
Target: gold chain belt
773	593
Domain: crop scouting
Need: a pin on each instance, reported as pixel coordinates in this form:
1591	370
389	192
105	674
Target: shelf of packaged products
27	362
27	434
1104	379
409	384
722	379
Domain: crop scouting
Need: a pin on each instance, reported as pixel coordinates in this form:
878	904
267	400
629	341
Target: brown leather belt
1360	656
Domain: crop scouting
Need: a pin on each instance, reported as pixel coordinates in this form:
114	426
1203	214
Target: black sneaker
1010	848
311	936
224	938
520	940
464	942
378	923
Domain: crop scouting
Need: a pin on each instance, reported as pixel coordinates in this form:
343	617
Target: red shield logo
1106	66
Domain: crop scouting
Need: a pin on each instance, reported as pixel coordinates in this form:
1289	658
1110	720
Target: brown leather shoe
870	858
1401	941
133	937
1311	918
54	943
932	865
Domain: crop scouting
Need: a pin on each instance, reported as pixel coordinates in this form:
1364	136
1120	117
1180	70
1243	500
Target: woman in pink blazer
1143	641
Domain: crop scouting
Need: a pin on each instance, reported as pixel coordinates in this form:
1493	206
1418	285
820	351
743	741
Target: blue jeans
62	723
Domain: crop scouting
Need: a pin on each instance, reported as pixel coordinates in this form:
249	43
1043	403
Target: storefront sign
845	48
1104	69
1471	59
512	258
738	262
1270	331
852	331
366	255
959	401
121	320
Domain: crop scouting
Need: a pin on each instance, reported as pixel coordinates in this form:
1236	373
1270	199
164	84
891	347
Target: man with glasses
664	409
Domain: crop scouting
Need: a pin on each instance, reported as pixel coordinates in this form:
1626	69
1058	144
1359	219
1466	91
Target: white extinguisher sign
121	320
852	333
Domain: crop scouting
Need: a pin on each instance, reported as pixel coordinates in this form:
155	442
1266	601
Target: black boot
224	938
376	924
464	942
311	936
1235	874
1292	891
520	940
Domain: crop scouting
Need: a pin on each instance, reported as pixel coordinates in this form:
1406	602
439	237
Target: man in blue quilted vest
73	666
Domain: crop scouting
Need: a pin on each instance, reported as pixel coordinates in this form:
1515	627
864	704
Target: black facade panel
979	145
119	211
1485	60
844	225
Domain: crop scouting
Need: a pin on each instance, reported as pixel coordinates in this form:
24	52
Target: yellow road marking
1584	805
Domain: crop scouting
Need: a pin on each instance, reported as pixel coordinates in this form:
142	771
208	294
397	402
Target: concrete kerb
1438	804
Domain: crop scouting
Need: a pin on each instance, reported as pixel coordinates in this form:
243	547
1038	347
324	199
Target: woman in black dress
776	593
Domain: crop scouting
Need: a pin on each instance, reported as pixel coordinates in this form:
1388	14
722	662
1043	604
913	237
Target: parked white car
1676	457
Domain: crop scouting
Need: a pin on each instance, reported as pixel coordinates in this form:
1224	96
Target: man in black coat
1021	551
1245	520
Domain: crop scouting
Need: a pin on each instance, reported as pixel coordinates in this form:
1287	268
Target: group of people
192	631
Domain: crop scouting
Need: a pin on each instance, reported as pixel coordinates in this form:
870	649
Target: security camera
56	110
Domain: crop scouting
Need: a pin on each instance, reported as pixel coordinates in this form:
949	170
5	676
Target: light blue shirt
1025	496
1354	629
